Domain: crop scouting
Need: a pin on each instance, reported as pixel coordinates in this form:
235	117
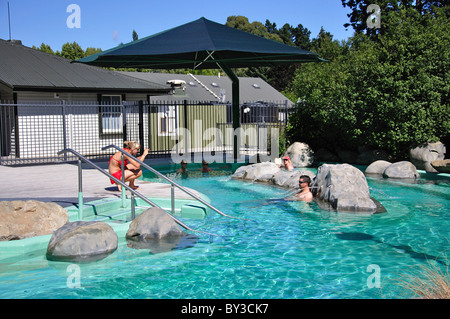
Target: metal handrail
133	192
171	182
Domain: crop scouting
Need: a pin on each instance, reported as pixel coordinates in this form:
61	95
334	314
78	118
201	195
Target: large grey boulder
257	172
344	187
377	167
154	223
23	219
82	241
155	230
301	154
290	179
422	155
403	170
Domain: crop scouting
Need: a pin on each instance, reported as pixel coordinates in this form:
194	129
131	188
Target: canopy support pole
235	108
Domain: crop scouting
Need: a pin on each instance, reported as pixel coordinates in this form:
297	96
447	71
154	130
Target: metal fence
35	132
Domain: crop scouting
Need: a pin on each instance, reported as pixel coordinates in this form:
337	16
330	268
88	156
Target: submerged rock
155	230
153	223
82	241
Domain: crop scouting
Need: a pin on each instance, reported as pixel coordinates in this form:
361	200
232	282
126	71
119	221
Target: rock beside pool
442	166
301	154
289	179
398	170
422	155
344	187
82	241
270	173
403	170
23	219
257	172
154	223
377	167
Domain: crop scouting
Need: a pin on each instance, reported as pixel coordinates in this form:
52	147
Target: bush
388	92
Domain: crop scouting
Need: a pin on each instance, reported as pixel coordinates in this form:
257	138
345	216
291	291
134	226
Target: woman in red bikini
131	168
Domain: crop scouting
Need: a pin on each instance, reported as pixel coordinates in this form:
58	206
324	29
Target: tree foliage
388	91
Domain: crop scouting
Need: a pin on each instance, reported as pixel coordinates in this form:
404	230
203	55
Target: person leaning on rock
305	193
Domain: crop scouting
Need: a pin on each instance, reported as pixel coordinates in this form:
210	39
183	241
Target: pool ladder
133	191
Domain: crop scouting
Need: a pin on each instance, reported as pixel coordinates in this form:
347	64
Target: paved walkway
59	183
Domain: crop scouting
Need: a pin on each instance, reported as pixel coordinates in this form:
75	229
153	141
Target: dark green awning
200	44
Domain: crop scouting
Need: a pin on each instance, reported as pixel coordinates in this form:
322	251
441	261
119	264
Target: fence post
80	191
124	122
185	128
141	126
63	107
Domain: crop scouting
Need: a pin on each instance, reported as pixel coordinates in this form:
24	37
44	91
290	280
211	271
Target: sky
106	24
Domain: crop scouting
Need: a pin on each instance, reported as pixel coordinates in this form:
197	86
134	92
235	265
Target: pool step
111	210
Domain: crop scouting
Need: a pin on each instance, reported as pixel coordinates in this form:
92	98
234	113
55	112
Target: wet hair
131	145
306	178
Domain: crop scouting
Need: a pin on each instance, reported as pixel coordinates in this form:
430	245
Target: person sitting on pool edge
305	193
132	169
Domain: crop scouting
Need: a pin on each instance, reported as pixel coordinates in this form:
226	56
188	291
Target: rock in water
82	241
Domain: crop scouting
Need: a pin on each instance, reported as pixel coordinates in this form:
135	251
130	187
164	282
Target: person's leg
131	176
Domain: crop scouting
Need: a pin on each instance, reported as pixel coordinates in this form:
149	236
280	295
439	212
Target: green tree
135	35
44	48
71	51
359	15
90	51
388	91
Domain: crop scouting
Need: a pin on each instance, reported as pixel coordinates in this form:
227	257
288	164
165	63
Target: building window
111	117
167	120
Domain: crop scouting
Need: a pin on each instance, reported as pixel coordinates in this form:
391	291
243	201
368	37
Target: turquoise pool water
286	250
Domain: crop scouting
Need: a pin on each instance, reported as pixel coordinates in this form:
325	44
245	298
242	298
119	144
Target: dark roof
201	44
212	88
26	69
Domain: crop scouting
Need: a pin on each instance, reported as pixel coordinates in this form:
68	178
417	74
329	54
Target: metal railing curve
133	192
173	183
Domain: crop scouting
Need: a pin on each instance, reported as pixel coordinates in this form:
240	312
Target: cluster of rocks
403	169
429	157
342	186
83	241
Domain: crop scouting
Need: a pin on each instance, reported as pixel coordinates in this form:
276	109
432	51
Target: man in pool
305	193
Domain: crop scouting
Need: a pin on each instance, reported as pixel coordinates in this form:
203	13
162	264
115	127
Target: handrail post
80	191
133	208
172	198
122	167
174	184
145	199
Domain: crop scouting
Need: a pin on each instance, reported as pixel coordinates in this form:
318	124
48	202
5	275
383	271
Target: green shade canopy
203	44
200	44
